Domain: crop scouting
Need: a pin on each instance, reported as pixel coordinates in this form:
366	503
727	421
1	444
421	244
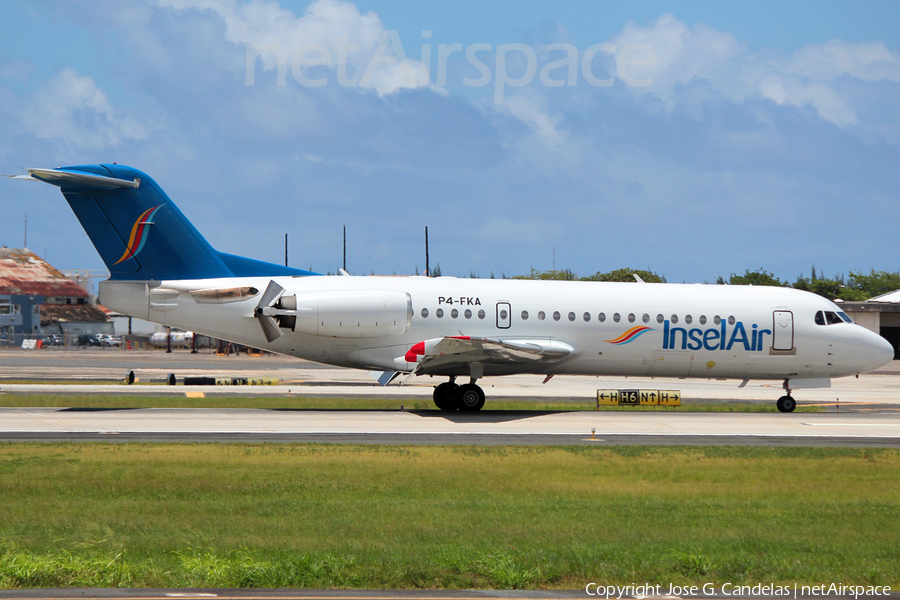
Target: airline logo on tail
630	335
139	234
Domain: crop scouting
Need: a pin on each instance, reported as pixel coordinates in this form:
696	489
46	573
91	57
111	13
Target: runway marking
852	424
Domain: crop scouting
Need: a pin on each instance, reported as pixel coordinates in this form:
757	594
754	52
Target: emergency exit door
504	315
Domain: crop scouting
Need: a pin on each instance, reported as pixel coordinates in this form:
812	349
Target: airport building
37	299
880	314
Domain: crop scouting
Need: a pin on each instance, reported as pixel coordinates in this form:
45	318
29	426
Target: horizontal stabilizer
78	179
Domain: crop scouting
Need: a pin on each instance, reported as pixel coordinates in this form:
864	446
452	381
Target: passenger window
674	319
541	316
717	319
601	317
571	316
481	314
468	313
503	315
688	319
731	320
556	315
439	313
524	315
631	317
424	312
587	317
703	319
645	318
455	313
617	318
820	318
660	318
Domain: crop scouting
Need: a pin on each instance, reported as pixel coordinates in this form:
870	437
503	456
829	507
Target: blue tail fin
139	232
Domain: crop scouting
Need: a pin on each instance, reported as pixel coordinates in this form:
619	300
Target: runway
869	407
103	370
434	427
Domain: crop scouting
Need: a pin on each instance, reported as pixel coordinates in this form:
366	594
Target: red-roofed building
36	298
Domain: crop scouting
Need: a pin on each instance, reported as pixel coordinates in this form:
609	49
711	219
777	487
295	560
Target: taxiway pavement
491	427
868	414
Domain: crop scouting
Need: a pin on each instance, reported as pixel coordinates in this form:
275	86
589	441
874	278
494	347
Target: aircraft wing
439	352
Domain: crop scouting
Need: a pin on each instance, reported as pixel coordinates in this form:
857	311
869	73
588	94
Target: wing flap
438	352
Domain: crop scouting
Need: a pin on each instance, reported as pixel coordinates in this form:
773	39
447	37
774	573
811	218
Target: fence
64	341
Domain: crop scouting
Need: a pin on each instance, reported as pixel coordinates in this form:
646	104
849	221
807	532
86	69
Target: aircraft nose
882	352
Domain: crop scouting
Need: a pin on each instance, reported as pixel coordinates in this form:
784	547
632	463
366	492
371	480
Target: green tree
757	277
834	288
875	283
626	275
552	275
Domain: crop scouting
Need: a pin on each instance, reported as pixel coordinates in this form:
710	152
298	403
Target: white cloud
324	22
805	78
72	108
543	125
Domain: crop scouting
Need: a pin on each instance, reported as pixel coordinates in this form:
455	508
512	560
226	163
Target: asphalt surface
877	429
862	411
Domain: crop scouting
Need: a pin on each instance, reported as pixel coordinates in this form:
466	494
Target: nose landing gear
467	398
786	404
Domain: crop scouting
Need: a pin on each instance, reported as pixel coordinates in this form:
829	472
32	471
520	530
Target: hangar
880	314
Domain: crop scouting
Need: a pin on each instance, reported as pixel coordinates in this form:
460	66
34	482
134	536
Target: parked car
108	340
53	340
86	339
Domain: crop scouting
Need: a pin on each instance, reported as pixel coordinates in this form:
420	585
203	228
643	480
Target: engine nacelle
352	313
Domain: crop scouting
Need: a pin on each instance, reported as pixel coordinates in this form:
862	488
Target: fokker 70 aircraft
163	270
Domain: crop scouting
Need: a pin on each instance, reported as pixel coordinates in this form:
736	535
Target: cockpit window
832	318
827	317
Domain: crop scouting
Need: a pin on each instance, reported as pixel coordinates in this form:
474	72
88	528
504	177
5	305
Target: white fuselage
684	330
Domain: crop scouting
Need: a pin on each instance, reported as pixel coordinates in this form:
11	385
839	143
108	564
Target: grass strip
300	402
304	515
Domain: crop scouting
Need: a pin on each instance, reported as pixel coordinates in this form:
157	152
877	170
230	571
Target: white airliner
163	270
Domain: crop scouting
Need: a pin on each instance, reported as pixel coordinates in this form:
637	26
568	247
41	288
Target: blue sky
756	135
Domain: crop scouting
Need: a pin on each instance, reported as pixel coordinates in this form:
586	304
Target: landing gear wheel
470	398
445	396
786	404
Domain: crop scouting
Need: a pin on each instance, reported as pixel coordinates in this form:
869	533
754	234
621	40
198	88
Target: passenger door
783	330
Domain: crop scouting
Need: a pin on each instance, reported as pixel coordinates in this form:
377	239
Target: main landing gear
467	398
